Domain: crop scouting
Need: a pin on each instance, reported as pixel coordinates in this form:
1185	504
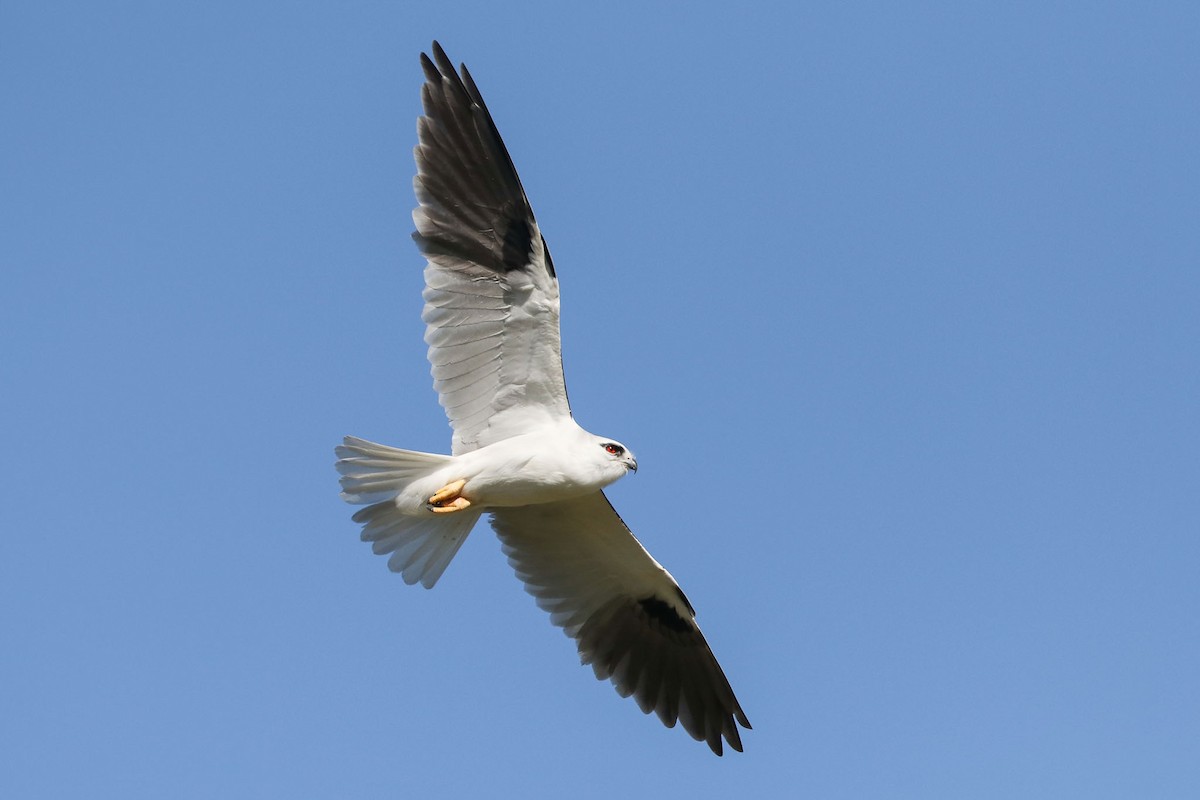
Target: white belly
529	469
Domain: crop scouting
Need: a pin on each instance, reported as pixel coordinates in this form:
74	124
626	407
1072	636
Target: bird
491	310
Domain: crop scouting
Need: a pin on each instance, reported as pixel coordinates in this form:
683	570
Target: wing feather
464	332
629	617
447	368
491	296
460	382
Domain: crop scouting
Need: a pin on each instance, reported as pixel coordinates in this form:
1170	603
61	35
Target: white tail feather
421	543
375	472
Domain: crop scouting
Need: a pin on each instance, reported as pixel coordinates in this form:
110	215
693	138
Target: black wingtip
444	64
438	53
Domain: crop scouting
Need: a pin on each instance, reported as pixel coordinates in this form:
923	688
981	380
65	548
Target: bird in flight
491	315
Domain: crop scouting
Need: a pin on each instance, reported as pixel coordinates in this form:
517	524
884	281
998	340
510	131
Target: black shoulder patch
517	245
666	616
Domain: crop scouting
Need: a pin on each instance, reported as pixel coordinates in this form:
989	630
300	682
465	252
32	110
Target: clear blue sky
899	308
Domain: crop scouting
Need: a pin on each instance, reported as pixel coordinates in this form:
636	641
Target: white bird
491	311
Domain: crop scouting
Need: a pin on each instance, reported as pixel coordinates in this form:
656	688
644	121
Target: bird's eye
613	449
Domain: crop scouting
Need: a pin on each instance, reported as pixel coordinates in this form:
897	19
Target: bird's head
617	454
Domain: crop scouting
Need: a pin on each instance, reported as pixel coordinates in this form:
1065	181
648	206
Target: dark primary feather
472	198
667	667
631	621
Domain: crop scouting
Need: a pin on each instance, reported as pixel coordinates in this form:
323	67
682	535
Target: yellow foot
448	499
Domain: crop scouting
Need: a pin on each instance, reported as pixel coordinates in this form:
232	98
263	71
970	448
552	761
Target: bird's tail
421	543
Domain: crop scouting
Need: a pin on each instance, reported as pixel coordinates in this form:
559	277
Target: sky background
897	304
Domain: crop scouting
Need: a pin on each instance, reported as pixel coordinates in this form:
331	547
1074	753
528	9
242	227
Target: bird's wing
631	620
491	296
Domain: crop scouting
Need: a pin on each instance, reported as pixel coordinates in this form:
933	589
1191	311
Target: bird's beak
632	464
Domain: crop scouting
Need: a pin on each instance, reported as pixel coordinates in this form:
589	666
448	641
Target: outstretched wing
491	296
631	620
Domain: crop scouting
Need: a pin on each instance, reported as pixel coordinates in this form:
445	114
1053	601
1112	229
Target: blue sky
896	303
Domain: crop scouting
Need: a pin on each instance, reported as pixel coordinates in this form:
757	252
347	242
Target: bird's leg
448	498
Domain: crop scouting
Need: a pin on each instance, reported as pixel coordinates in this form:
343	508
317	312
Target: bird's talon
448	498
457	504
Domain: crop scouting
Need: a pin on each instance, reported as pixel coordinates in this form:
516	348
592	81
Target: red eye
613	449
